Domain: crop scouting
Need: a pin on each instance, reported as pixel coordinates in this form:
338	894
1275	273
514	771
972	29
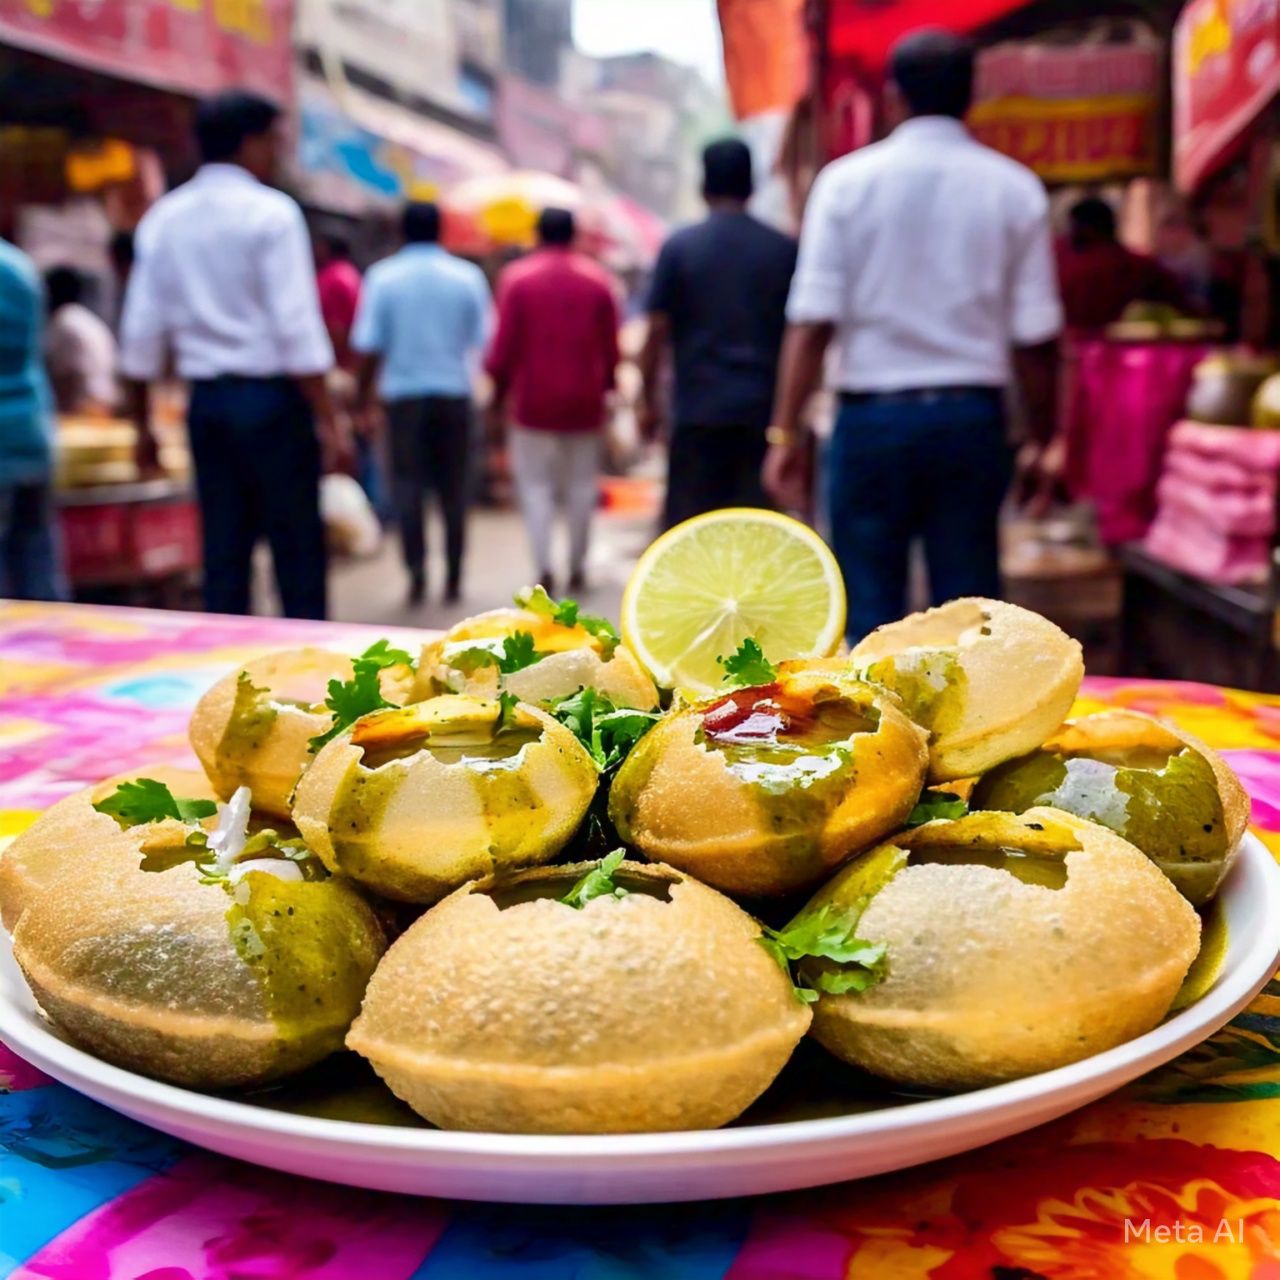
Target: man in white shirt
223	280
927	259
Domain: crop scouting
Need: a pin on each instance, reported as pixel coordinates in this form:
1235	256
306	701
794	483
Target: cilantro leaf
607	732
566	614
146	800
351	699
507	703
936	804
828	933
604	631
536	600
515	652
381	654
597	883
748	667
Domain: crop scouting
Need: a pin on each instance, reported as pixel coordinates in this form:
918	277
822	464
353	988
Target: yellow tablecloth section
1177	1176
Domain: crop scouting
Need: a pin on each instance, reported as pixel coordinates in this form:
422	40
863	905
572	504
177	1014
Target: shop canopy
864	31
189	49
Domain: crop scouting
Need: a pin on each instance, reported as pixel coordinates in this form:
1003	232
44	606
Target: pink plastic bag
1253	450
1195	548
1219	474
1122	400
1248	513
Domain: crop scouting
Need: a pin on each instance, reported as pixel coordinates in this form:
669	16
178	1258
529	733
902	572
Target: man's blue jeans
929	466
30	548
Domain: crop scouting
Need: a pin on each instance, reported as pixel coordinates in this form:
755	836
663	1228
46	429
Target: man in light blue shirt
423	318
30	567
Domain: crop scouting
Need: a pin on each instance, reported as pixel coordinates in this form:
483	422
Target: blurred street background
380	309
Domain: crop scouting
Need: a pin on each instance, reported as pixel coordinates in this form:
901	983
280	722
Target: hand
146	450
785	474
1038	476
334	434
648	419
367	419
495	423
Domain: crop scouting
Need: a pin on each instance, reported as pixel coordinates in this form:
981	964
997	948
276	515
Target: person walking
718	300
338	284
79	348
928	259
423	318
30	563
553	362
223	278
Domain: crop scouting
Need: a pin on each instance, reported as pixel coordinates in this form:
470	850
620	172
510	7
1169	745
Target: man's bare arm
1041	460
649	362
804	349
330	431
1036	369
146	447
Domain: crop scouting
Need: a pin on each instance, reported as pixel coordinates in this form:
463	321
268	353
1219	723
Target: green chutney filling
1163	800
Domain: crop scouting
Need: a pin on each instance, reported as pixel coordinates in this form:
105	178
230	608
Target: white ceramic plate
750	1158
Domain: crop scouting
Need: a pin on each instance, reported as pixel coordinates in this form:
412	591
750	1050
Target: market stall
1205	557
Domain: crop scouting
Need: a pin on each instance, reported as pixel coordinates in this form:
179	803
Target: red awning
864	31
186	49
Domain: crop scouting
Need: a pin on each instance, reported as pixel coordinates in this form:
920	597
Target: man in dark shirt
719	297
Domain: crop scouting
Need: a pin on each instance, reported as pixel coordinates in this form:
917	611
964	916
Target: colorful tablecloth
1177	1176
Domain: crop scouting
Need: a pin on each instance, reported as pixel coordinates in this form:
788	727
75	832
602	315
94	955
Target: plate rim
83	1072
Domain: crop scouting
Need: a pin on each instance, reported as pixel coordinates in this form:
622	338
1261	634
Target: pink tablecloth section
1121	400
1177	1176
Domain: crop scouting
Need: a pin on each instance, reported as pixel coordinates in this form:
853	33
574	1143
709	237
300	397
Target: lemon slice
709	583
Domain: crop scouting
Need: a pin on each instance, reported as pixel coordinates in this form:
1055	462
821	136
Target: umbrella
502	209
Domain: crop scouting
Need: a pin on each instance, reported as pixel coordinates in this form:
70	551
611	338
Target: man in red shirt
552	362
338	282
1099	277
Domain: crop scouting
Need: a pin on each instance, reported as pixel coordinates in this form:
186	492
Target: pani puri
989	680
1160	788
414	801
72	828
204	983
1014	945
570	658
254	727
765	791
503	1009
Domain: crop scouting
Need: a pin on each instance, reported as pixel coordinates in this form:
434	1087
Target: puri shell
989	680
503	1009
995	974
68	831
418	824
254	727
1159	787
771	817
574	659
199	984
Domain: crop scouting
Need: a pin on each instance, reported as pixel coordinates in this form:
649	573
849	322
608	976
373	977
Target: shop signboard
1076	113
1226	69
378	153
188	46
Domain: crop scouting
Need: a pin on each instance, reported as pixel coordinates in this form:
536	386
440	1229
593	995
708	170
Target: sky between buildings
683	30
